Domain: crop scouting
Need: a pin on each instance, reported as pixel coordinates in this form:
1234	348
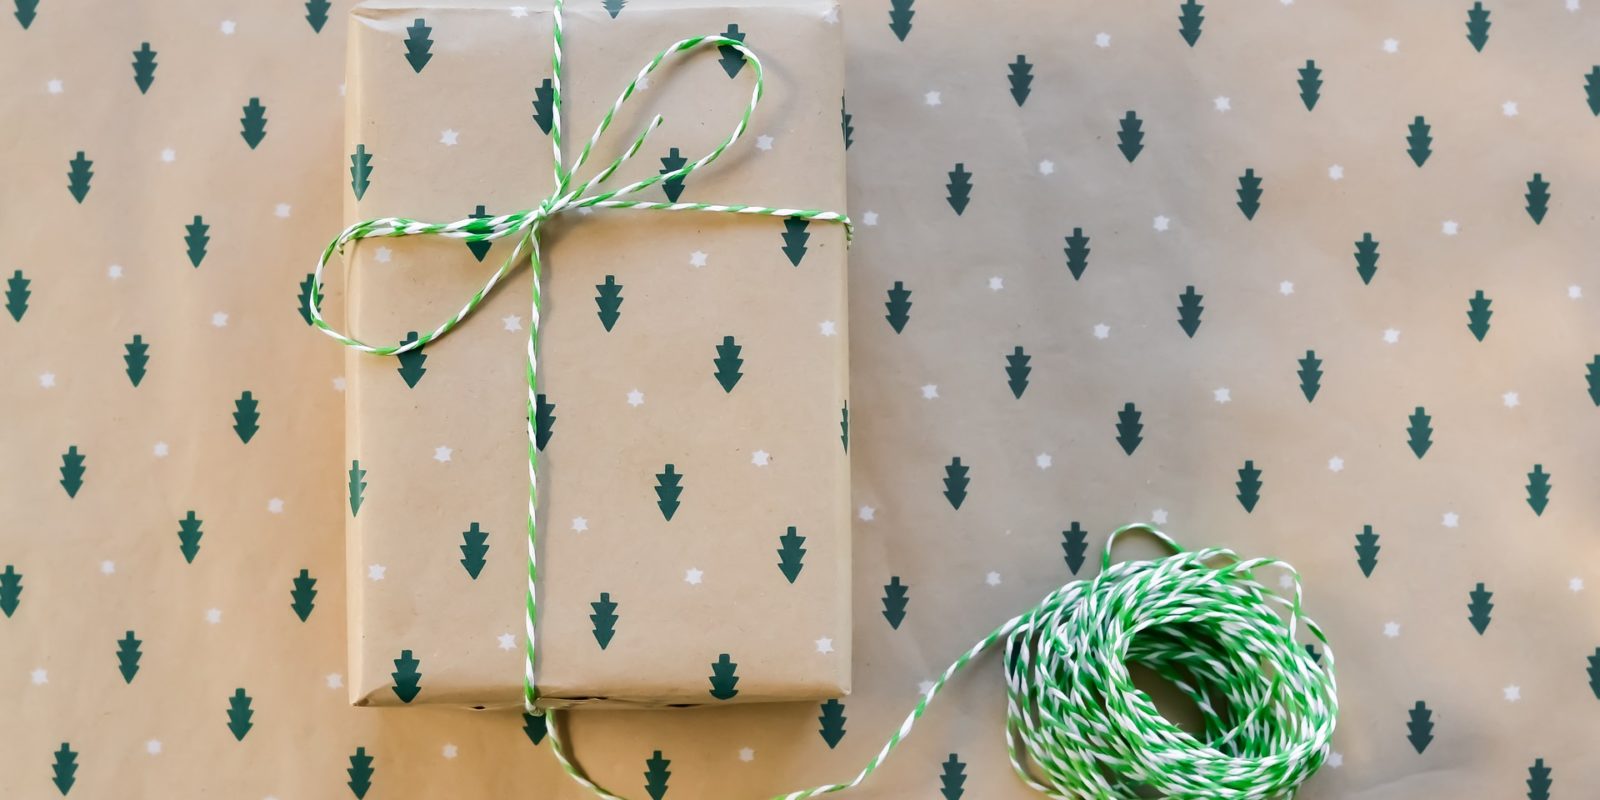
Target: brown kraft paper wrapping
692	366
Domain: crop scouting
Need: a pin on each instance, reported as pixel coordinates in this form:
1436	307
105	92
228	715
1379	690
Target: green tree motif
955	482
832	720
894	601
1538	489
1130	136
794	239
128	656
1538	781
253	125
1189	310
17	295
479	249
1367	550
844	124
137	358
10	590
407	680
1478	608
303	595
66	763
1021	79
723	678
614	7
534	727
1189	21
732	60
1249	194
360	772
1591	89
72	470
544	97
357	484
1420	432
1074	546
1420	143
317	14
899	306
144	67
1128	428
1420	728
604	619
418	44
1366	257
189	534
952	778
246	416
844	425
196	240
304	306
791	554
239	714
1310	375
544	420
1017	371
671	163
1478	26
959	188
1594	673
1478	314
26	10
1310	84
474	548
609	301
1538	198
900	14
1077	251
1249	484
668	491
360	170
728	363
1593	379
655	767
410	362
79	173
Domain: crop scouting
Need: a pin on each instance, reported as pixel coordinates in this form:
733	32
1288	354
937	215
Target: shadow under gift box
694	529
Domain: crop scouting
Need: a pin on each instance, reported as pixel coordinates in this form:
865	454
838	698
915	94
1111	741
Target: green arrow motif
1189	310
356	484
791	554
723	678
410	362
304	304
1419	142
656	775
239	714
1538	781
1538	198
418	44
900	14
189	534
1366	257
543	105
1420	728
253	125
609	301
1420	432
1074	546
17	295
728	363
544	420
1020	78
1249	192
78	176
832	720
360	171
959	188
1367	550
1479	608
952	778
246	416
955	482
407	680
894	601
72	470
899	306
534	727
672	162
303	595
1017	371
474	548
794	239
1538	489
1190	20
1478	314
66	761
1478	26
1249	484
360	772
604	619
1310	84
1130	136
1077	251
144	67
128	656
136	359
479	249
195	239
668	491
1310	375
732	61
10	590
317	14
1128	428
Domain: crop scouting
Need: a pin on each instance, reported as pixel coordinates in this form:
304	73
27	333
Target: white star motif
1513	693
1451	520
1043	460
213	615
824	645
507	641
334	680
763	142
1336	759
760	458
1222	395
108	567
449	751
930	391
826	328
1286	288
1391	629
40	676
697	259
925	687
1450	227
1159	516
338	384
635	398
275	506
220	319
1047	167
1510	399
747	754
114	271
449	137
153	747
692	576
228	27
996	284
1391	335
519	11
831	16
1574	291
375	572
867	513
1161	223
441	454
512	322
169	155
1336	464
1102	40
1336	173
1391	45
641	84
1508	108
160	450
54	87
47	379
1284	581
281	211
382	254
1575	584
1101	331
1223	104
993	579
580	524
869	219
1572	5
931	98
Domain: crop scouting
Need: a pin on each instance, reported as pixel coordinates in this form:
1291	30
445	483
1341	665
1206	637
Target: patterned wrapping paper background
1508	711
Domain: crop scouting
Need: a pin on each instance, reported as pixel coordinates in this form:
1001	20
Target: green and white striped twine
1076	725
